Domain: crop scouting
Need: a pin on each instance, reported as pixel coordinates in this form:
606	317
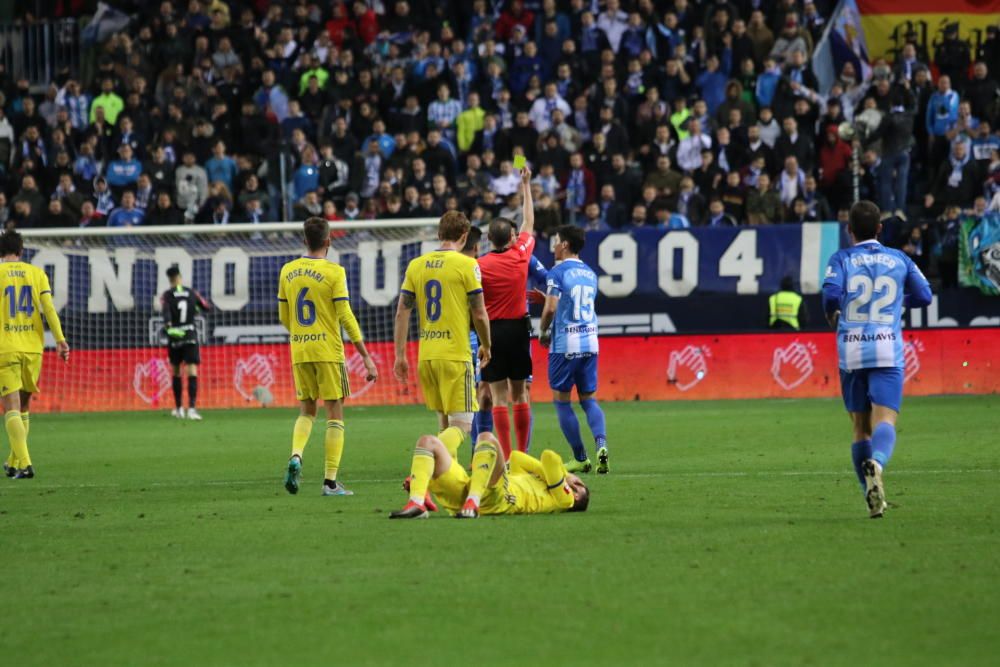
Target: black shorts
511	350
187	354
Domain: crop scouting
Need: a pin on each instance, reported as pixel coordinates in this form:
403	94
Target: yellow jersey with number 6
441	282
311	288
22	287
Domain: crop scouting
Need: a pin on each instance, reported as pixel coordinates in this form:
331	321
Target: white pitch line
639	475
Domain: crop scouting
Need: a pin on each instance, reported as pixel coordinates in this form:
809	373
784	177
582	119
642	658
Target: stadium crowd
631	113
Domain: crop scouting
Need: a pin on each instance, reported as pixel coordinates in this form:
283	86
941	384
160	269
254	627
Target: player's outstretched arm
400	333
481	321
527	205
55	326
350	323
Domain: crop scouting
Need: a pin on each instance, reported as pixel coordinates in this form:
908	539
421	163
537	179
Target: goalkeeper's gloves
175	332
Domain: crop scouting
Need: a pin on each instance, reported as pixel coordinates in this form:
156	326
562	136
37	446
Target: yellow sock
334	446
12	461
484	461
18	438
452	437
300	434
421	471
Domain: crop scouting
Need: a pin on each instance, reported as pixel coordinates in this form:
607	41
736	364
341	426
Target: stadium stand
647	112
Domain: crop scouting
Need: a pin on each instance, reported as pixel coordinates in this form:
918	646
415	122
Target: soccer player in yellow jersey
25	295
313	304
446	289
529	486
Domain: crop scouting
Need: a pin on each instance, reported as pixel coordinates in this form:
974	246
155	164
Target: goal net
107	284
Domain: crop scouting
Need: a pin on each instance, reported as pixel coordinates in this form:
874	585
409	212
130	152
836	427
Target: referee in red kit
505	283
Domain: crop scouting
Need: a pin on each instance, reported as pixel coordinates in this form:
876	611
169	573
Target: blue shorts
881	386
568	371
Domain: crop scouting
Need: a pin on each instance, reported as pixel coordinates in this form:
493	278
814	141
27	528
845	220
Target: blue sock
595	420
475	429
861	451
485	421
883	442
570	426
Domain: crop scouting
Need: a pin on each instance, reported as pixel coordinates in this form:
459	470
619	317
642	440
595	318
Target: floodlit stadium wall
106	284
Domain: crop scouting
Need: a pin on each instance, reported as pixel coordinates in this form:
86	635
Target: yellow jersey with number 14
311	289
25	295
441	282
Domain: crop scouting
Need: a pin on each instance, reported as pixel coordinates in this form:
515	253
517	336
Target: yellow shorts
448	386
19	371
326	380
451	488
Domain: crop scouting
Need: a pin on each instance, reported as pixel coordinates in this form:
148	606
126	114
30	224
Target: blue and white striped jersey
574	330
869	284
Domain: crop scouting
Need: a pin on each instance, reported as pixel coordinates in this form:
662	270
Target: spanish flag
887	23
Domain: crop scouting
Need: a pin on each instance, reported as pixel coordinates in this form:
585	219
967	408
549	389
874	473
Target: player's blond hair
453	226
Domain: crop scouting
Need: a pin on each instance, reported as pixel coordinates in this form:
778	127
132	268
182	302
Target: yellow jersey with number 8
22	287
311	287
441	282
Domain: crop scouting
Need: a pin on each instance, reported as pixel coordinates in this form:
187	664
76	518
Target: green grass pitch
729	533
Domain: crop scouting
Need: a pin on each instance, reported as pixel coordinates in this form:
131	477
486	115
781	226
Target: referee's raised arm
527	205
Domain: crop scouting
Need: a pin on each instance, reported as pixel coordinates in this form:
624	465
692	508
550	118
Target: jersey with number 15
311	287
869	284
574	330
441	282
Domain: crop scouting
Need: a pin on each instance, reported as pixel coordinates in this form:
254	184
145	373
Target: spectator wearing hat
952	55
789	41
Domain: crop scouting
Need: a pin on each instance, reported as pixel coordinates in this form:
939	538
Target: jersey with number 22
871	282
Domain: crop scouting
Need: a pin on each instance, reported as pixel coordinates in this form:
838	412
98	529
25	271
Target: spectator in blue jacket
123	172
220	167
306	177
385	141
767	82
126	215
942	112
712	82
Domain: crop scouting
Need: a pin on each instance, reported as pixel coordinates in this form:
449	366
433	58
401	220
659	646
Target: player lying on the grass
180	304
569	330
865	289
530	486
25	295
313	305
